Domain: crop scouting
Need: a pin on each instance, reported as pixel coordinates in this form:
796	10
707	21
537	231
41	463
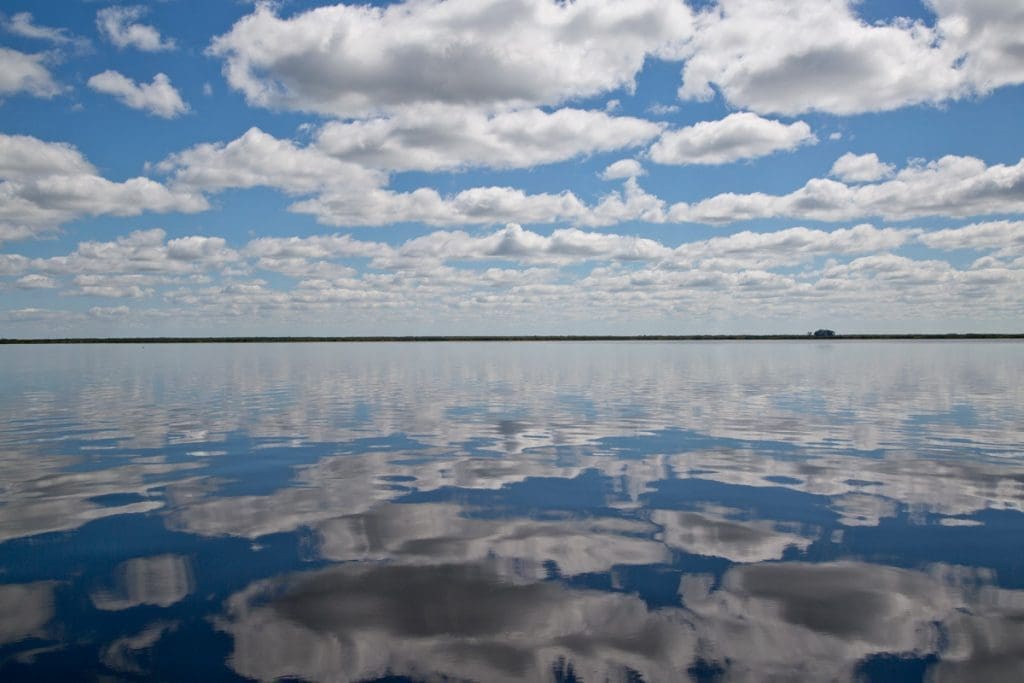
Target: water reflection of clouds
867	398
127	654
773	621
44	493
443	534
337	486
357	622
476	482
866	487
161	580
737	541
25	610
780	621
332	487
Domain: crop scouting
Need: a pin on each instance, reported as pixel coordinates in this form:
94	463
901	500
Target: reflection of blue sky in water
503	512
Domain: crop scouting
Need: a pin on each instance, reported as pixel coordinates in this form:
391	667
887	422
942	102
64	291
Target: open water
627	511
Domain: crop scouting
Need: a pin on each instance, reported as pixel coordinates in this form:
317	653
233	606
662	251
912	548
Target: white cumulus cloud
794	56
950	186
623	168
350	60
22	24
22	72
121	27
349	194
142	252
440	137
257	158
1008	236
517	244
862	168
35	281
44	184
159	98
743	135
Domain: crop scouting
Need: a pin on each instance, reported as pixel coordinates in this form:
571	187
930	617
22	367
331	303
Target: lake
624	511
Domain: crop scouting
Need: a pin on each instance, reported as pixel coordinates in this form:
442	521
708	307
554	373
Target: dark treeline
502	338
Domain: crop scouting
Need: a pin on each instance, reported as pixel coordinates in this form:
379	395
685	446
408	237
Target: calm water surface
505	512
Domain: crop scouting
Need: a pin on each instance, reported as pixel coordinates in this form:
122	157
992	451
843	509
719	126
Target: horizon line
241	339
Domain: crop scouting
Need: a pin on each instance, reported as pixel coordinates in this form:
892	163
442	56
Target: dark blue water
505	512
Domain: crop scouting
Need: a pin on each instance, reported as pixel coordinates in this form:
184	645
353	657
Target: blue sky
513	166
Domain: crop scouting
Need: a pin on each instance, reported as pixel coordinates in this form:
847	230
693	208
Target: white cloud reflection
775	621
852	440
414	465
161	580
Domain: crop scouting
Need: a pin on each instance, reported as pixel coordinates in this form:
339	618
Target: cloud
23	157
564	274
351	61
147	252
633	203
784	57
21	72
35	281
1007	236
131	266
886	268
44	184
475	206
742	250
38	314
949	186
119	25
863	168
114	286
109	312
738	136
436	137
158	98
313	247
986	38
142	252
259	159
12	264
515	243
623	168
659	109
346	193
791	245
480	206
21	24
770	56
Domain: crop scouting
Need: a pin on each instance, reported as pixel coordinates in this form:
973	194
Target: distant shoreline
511	338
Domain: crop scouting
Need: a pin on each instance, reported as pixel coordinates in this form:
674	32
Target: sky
511	167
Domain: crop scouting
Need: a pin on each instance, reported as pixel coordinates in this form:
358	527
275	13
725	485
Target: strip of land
509	338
